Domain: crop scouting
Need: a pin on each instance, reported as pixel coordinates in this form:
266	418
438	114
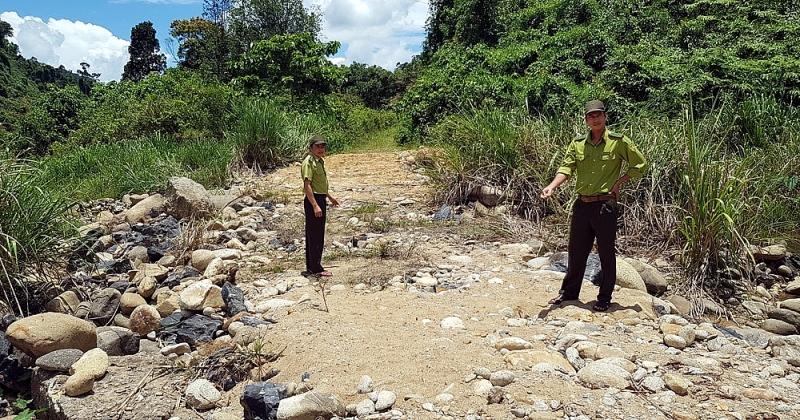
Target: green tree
295	64
375	86
51	119
217	11
6	31
255	20
201	46
144	53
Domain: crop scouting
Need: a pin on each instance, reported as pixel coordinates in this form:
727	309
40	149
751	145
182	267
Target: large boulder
40	334
187	198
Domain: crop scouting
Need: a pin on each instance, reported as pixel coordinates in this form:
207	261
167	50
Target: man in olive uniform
595	160
315	189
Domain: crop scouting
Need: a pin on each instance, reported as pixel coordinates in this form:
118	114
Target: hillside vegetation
708	89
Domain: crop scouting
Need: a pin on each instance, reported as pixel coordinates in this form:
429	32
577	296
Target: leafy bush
179	103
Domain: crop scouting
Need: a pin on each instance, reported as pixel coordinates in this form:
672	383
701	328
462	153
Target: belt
595	198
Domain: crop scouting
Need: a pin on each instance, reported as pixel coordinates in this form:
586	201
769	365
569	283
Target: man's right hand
546	192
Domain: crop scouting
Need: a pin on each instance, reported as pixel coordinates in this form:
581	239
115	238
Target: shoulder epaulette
615	135
580	137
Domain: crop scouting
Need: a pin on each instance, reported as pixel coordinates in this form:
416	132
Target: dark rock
104	306
5	345
197	329
13	375
7	320
559	262
178	275
59	360
234	299
252	321
122	286
444	213
260	400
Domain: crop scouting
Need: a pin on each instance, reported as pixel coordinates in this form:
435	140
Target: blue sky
62	32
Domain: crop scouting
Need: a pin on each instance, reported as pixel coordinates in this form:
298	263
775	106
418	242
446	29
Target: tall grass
719	192
136	166
267	135
32	226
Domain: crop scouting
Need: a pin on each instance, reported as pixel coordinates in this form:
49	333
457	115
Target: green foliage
32	227
144	53
22	82
178	103
496	148
557	54
50	120
717	193
295	64
135	166
251	21
375	86
202	46
261	135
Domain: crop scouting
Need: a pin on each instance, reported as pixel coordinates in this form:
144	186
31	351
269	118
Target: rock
260	400
65	303
104	305
117	341
79	383
385	401
144	319
778	327
453	323
683	305
201	258
59	360
791	304
201	295
94	362
654	281
628	277
129	301
604	374
202	395
310	406
43	333
786	348
512	343
501	378
187	198
788	316
768	253
677	383
141	210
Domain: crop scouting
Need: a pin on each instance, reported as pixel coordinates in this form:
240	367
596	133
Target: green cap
317	139
593	106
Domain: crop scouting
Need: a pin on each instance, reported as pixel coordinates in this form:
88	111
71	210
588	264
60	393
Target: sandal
601	306
325	273
558	300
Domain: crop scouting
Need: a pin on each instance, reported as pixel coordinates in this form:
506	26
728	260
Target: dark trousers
587	224
315	233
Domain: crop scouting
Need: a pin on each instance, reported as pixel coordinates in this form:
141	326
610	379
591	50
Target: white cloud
64	42
379	32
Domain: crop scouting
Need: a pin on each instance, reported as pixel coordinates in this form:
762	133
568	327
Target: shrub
32	226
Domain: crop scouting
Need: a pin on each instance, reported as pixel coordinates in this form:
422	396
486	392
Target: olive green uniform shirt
597	168
313	169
